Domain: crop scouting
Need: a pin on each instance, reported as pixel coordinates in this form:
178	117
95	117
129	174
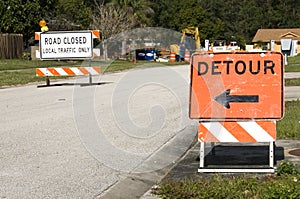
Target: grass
19	64
289	126
284	185
292	82
18	72
293	64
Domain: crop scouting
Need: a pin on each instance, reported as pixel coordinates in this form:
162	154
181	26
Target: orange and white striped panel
37	36
96	52
237	131
95	33
68	71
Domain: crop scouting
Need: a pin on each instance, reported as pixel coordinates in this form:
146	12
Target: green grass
18	71
21	77
19	64
286	184
292	82
289	126
293	64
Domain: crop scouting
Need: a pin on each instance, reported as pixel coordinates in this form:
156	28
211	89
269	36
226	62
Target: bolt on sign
236	86
66	45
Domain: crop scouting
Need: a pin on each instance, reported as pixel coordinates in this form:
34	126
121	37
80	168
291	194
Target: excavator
184	44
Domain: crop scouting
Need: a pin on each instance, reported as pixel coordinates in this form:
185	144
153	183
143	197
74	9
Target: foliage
217	19
26	56
232	19
289	126
236	186
71	15
292	82
293	64
111	20
140	9
16	17
286	167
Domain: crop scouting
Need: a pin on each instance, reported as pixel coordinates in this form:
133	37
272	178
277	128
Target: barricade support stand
203	169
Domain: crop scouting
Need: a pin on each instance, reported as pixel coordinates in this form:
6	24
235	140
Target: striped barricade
95	33
67	71
237	131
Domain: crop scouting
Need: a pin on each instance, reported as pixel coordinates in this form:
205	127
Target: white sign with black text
66	45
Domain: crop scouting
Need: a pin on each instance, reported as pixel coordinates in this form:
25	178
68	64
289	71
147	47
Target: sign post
237	97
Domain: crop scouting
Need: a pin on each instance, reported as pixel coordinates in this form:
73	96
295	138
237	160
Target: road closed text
238	67
65	40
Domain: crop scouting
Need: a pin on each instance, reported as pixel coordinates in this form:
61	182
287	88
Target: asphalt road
76	141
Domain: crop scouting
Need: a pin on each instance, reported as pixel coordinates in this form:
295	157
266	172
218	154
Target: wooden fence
11	46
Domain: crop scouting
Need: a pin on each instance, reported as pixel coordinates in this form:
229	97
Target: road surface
79	141
73	140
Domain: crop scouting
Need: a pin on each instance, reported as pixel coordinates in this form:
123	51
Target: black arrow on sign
224	98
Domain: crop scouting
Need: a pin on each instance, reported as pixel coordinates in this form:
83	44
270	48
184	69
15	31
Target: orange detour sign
235	86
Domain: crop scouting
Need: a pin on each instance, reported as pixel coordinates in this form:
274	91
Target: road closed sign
239	85
66	45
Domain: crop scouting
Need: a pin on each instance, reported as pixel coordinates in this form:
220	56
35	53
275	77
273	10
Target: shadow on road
74	84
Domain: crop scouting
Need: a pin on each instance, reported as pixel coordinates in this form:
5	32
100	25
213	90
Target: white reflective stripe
219	132
44	70
61	71
90	70
76	71
256	131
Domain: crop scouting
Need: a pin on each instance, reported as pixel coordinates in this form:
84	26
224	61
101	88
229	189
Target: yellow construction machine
184	44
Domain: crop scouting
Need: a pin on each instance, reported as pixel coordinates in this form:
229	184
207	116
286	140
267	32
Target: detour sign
240	85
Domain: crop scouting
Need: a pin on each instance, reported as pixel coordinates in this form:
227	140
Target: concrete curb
136	184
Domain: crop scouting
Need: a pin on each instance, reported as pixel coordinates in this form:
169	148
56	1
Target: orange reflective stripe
96	33
83	70
97	69
68	71
238	132
53	71
39	72
204	135
269	127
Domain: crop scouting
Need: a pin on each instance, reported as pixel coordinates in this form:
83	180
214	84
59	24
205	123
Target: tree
177	15
16	17
71	15
141	10
111	20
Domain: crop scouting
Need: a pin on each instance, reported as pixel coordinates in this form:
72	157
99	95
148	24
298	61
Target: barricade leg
47	81
271	154
90	79
202	154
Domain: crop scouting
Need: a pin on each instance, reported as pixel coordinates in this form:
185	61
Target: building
263	37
